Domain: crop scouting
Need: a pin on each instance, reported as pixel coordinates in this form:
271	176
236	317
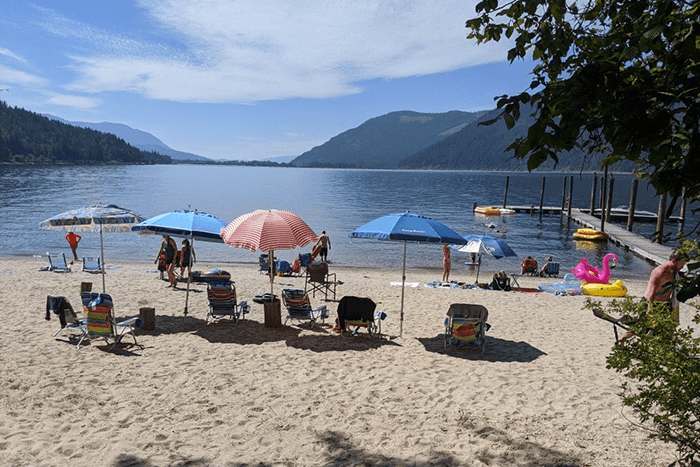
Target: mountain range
137	138
383	142
452	140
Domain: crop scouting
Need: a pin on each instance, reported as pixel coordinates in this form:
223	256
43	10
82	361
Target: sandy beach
224	394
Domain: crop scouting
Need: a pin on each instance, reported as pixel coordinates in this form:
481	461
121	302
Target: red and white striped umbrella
268	230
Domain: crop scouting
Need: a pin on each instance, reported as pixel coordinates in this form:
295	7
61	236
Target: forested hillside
382	142
27	137
480	147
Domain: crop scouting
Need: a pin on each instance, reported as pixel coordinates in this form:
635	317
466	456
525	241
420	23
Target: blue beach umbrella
194	225
407	227
485	245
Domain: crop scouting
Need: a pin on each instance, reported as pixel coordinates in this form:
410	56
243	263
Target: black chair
318	278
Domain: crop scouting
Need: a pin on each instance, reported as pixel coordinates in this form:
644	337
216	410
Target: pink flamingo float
587	273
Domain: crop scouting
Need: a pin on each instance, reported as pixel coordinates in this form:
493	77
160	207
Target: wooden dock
615	215
653	252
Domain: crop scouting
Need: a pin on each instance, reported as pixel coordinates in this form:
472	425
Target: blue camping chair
299	307
58	263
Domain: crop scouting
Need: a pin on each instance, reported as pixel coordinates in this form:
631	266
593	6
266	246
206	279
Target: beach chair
100	322
466	323
357	313
298	306
319	279
264	263
500	283
624	322
70	323
58	263
223	302
92	264
551	269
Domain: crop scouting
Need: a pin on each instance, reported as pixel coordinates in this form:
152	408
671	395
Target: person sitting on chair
529	265
501	281
548	261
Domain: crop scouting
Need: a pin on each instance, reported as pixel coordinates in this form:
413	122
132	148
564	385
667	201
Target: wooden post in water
660	214
571	200
633	204
681	219
595	180
563	197
544	179
603	189
505	193
608	206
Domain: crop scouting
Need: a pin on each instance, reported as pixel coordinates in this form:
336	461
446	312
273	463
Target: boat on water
493	210
590	234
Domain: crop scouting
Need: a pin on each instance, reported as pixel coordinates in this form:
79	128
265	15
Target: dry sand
227	394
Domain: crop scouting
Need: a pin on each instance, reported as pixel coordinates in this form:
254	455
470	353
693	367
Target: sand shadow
250	332
169	324
340	450
497	350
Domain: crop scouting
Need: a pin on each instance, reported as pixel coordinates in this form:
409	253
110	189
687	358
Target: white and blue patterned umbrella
485	245
96	218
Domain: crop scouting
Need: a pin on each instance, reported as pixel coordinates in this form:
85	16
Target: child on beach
446	262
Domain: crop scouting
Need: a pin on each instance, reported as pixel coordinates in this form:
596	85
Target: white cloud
241	51
9	53
12	76
79	102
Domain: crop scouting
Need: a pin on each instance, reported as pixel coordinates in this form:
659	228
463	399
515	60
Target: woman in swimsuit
185	254
169	247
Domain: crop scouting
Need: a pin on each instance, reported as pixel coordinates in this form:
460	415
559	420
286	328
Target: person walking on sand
660	287
325	243
169	247
186	254
73	240
446	262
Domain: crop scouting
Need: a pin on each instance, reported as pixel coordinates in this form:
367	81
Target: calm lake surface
334	200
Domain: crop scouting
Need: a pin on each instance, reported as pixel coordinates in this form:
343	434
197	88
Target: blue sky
231	79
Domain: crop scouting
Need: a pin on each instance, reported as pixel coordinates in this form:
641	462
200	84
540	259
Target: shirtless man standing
660	288
325	243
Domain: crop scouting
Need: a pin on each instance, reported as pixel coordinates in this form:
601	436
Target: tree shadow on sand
339	450
497	350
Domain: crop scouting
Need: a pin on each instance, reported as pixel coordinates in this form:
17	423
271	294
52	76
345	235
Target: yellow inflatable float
590	234
616	289
493	210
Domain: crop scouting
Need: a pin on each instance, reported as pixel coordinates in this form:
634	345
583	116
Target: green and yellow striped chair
100	322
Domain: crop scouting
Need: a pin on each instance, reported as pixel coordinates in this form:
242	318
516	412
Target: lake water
334	200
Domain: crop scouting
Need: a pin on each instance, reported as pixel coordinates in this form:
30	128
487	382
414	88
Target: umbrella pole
270	262
102	253
189	274
478	268
403	287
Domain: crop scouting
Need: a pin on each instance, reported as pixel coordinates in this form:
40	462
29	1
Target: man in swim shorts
325	243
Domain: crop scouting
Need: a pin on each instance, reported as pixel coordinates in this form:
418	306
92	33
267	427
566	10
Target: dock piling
593	188
608	206
544	179
633	204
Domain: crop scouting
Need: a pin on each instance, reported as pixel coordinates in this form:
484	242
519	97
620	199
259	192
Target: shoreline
243	394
